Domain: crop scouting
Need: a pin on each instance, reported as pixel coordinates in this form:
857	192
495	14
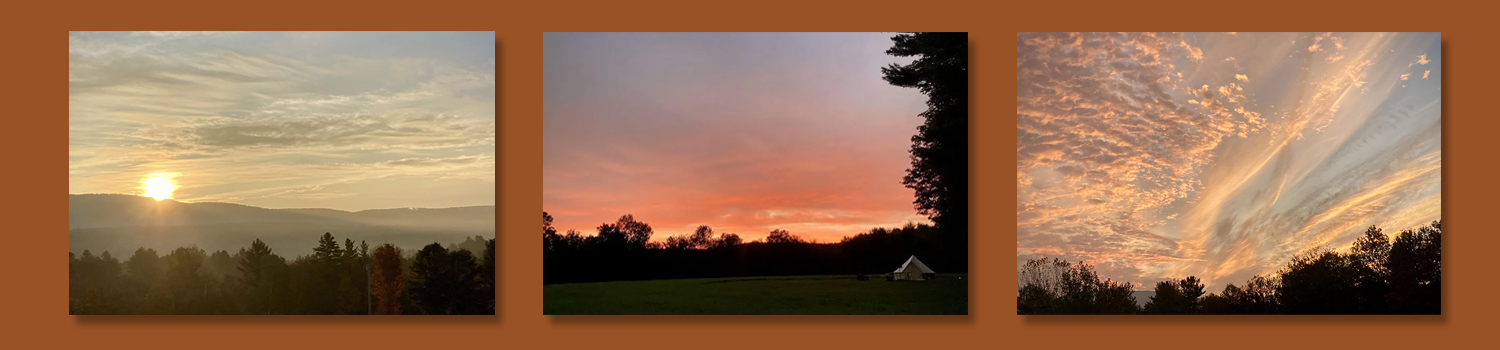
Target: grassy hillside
794	295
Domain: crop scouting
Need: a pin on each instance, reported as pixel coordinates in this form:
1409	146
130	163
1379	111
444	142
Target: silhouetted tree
727	241
1176	297
1058	287
143	270
186	285
551	241
1375	276
97	280
636	233
705	253
701	238
326	267
1369	254
678	243
1168	299
1319	282
1416	270
1192	292
1257	297
487	276
1213	304
256	281
779	236
939	151
443	282
1372	249
255	266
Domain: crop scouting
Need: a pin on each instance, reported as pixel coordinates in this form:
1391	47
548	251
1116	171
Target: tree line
1377	275
623	250
335	279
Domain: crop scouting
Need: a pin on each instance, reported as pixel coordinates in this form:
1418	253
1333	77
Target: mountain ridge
122	223
123	210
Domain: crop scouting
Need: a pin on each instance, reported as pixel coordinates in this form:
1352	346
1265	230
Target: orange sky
742	132
1221	155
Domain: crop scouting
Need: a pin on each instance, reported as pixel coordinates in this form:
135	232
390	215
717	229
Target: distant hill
477	216
121	223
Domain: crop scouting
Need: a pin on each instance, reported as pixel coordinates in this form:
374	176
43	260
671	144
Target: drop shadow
972	268
715	320
185	320
1081	320
1443	175
499	181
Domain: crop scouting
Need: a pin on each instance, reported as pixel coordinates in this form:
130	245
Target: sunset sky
308	119
742	132
1221	155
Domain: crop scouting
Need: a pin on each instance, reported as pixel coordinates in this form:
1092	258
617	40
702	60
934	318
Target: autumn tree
388	281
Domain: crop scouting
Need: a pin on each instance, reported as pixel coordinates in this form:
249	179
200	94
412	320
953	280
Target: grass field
785	295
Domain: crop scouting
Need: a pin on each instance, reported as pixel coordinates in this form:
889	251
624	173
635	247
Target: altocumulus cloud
1153	155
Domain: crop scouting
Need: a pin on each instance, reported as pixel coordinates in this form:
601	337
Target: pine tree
940	150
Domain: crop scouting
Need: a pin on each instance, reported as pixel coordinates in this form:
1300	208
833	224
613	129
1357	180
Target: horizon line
290	208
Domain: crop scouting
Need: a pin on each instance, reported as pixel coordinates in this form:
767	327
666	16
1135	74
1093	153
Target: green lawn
786	295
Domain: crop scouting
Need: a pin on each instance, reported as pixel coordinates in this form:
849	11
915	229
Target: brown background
33	278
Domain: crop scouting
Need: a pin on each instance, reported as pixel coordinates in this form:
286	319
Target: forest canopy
345	278
623	250
1377	275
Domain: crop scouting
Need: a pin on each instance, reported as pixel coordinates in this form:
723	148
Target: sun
159	186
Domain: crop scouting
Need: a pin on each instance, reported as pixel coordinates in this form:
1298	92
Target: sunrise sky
306	119
1221	155
742	132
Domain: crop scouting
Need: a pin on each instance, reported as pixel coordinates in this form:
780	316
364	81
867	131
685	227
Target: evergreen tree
443	282
940	150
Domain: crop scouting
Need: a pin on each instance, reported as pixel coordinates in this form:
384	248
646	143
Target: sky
744	132
341	120
1221	155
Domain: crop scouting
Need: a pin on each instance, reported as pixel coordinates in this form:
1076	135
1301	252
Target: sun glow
158	186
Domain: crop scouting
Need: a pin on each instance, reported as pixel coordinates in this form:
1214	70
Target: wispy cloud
276	119
1153	163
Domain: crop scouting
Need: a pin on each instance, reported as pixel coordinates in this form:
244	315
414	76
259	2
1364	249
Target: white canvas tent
913	270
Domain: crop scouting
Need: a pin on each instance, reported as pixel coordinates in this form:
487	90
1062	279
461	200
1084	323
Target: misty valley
137	255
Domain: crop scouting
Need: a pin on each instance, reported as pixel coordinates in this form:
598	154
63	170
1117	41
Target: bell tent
914	270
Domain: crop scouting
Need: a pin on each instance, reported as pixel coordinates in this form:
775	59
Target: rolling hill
121	223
